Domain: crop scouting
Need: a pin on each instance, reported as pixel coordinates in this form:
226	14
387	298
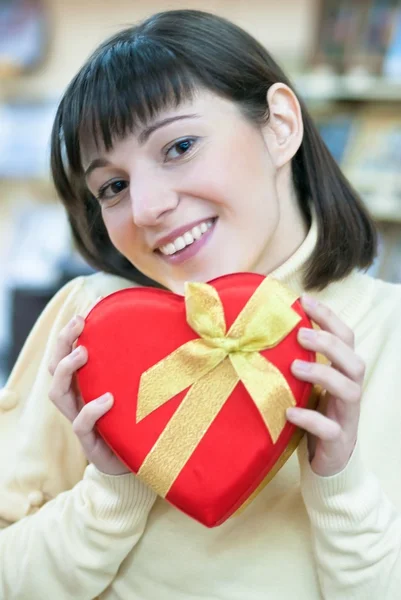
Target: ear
283	132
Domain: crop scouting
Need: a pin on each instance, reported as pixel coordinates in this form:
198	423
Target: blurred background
344	57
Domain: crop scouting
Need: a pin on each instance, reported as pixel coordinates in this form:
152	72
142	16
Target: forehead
204	105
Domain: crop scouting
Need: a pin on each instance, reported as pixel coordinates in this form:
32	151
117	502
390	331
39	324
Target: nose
150	201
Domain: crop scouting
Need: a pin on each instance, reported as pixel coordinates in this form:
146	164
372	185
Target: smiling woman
175	86
182	152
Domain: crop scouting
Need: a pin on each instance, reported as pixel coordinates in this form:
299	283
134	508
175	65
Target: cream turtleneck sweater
304	537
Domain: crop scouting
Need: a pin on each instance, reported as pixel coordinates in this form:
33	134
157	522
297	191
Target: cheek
120	227
244	166
222	177
128	239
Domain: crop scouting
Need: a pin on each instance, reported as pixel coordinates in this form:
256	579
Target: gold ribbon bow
213	365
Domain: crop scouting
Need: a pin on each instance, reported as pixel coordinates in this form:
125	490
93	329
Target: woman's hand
333	429
65	395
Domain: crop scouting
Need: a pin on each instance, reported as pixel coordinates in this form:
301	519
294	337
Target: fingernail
74	322
77	351
309	302
307	334
104	399
302	365
292	412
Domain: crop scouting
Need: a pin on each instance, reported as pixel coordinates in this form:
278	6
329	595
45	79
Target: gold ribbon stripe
213	365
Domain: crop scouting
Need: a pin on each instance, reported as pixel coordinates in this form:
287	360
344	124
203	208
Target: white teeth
196	232
186	239
169	249
179	243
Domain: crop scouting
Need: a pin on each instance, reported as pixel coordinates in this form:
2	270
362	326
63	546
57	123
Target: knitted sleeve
356	531
65	527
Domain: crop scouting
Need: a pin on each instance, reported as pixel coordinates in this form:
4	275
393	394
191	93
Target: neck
291	270
291	234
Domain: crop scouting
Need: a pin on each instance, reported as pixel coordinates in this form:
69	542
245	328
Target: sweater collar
348	298
292	271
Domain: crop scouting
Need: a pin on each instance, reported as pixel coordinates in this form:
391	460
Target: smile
188	244
188	238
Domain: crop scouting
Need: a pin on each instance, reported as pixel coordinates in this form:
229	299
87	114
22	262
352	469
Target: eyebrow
147	132
143	137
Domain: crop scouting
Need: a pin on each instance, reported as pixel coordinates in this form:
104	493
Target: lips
191	250
180	231
185	240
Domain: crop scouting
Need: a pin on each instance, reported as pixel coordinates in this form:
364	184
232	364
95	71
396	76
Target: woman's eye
180	148
112	189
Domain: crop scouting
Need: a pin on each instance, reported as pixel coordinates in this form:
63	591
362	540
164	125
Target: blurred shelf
381	215
357	88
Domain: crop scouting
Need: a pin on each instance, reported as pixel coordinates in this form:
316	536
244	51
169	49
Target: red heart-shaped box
131	330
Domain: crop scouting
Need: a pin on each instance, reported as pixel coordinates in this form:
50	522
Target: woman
180	149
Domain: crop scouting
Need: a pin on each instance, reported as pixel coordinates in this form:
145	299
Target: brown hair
161	62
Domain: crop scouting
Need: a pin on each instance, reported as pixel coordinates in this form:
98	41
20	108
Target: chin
177	285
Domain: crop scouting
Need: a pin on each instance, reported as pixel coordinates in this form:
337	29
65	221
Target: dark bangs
122	88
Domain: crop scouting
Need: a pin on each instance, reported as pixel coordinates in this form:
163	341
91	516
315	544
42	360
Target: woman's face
192	197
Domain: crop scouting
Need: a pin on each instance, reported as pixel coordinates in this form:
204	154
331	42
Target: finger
67	368
77	392
338	352
85	315
323	316
67	336
66	403
85	422
336	384
62	391
314	423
